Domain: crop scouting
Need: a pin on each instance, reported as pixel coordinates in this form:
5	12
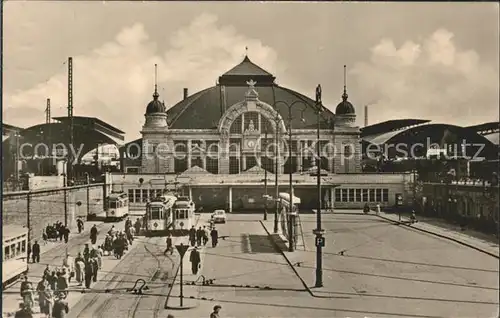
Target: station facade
224	140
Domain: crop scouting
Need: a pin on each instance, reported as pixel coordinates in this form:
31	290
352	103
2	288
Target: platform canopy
88	133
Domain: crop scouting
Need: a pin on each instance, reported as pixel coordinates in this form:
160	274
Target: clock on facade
250	143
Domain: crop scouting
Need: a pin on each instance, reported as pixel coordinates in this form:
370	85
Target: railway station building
220	144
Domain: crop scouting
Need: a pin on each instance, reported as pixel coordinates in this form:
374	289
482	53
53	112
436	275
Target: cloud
432	79
115	81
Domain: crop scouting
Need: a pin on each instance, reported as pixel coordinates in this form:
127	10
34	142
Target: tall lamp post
276	167
318	231
291	243
265	175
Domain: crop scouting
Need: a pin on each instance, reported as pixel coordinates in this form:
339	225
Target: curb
287	260
441	236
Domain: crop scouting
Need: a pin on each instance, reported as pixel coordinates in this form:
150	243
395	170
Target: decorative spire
345	96
156	95
246	50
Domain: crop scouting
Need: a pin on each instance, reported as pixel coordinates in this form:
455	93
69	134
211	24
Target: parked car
219	216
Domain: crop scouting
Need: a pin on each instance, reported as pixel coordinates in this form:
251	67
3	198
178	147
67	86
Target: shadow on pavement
253	243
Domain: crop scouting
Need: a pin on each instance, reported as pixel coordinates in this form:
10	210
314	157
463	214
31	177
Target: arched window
236	127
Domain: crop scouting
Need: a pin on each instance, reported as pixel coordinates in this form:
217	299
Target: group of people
199	236
117	242
52	292
55	232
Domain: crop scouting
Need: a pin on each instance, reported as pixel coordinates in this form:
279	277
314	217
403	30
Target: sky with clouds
436	61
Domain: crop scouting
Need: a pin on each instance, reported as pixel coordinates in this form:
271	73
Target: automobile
219	216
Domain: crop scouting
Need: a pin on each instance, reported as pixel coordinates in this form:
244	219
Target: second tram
159	214
183	215
117	206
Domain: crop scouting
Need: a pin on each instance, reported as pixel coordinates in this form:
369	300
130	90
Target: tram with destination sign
183	215
117	206
159	214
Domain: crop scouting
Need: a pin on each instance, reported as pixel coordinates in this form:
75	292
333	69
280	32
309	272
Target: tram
14	260
183	215
117	206
159	215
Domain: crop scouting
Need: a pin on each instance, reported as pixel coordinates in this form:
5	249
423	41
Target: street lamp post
265	175
276	166
319	231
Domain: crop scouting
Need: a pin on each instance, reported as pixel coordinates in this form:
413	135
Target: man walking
195	260
93	234
214	234
169	245
36	252
79	223
199	236
192	236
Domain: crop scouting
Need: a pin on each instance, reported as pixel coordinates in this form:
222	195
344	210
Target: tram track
147	262
118	300
152	278
116	280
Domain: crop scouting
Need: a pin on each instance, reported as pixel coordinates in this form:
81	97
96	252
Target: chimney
185	93
366	115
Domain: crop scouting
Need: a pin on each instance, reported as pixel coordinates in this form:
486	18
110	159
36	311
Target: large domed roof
155	106
204	109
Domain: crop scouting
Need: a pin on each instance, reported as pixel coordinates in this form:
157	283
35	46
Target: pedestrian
62	282
205	235
49	301
61	307
100	252
45	237
61	232
378	208
79	223
169	245
40	288
46	273
195	260
93	234
27	293
137	226
29	252
36	252
192	236
88	274
79	269
53	280
95	269
66	234
128	224
69	265
215	313
214	234
23	312
199	236
86	253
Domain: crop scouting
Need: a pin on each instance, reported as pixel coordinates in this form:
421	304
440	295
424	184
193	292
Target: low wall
42	207
45	182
